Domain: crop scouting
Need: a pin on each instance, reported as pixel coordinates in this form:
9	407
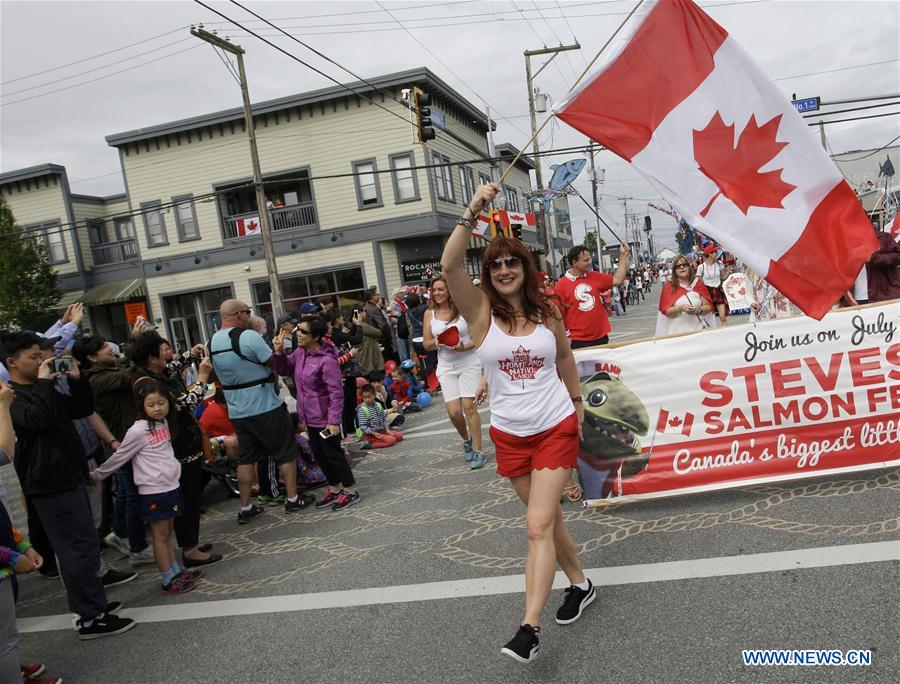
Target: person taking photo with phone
320	403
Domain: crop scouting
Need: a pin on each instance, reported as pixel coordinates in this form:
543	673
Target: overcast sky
171	75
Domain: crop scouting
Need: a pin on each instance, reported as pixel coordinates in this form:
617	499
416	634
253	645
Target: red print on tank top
522	366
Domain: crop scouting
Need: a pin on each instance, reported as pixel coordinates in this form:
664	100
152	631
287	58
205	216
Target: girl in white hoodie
148	443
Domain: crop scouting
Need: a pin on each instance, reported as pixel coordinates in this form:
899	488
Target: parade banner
739	405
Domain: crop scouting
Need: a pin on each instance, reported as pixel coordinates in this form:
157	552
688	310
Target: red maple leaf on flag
735	169
675	422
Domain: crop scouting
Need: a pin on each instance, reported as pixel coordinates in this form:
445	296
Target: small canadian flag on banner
679	99
672	423
248	226
508	218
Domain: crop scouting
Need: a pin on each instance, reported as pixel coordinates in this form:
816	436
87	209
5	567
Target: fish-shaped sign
565	174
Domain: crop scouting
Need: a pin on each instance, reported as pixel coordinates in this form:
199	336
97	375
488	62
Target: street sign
809	104
437	118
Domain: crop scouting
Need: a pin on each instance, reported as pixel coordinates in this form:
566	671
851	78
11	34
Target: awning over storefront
119	291
69	298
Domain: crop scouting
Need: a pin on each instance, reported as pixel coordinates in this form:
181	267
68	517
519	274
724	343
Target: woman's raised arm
468	298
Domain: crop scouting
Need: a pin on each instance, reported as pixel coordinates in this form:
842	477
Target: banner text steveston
762	402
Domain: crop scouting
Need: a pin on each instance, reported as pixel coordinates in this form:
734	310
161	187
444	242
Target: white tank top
448	358
712	275
527	395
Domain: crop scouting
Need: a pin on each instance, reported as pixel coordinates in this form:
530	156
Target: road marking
800	559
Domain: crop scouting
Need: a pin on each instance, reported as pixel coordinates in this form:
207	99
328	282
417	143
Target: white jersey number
585	299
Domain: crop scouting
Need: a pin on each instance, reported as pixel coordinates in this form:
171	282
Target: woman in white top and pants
458	369
536	407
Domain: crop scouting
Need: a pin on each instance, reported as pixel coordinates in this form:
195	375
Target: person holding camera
51	466
320	403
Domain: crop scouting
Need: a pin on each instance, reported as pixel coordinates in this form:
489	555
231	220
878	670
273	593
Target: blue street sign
437	118
810	104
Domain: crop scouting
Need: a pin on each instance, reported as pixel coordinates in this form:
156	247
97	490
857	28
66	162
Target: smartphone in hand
62	364
326	434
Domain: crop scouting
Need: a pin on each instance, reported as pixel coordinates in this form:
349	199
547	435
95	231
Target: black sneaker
103	625
576	601
523	647
113	606
303	500
114	577
328	500
246	516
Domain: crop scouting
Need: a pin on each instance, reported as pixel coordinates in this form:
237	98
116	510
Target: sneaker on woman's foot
523	647
179	585
344	500
477	461
246	516
103	626
328	500
575	602
112	577
31	670
468	451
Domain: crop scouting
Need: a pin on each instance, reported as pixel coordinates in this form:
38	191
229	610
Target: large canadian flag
248	226
678	98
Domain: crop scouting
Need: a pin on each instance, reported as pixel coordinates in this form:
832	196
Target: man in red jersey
579	291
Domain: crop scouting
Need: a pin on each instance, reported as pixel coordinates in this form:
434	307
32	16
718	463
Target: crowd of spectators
113	445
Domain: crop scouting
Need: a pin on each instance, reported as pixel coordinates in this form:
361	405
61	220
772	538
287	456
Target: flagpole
574	85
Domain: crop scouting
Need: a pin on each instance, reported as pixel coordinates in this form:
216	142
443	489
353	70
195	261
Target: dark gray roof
507	150
33	172
420	76
97	199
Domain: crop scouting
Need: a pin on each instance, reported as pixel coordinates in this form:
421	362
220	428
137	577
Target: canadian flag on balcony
247	226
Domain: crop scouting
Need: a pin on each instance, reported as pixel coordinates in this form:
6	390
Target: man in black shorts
241	359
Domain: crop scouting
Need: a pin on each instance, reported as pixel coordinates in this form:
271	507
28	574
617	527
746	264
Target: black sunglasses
681	265
301	330
509	262
245	311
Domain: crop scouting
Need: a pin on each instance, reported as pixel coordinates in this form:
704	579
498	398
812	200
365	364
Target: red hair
536	304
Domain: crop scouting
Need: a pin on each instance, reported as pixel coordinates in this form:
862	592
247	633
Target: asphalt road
422	581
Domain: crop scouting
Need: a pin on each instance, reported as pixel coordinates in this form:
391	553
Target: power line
90	71
831	71
308	66
101	54
99	78
426	48
320	54
249	184
870	153
852	109
857	118
558	39
378	11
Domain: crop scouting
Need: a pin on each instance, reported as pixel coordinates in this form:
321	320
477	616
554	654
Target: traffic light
422	103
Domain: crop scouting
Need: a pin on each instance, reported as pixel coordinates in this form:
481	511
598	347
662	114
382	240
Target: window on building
343	288
443	177
124	229
512	199
50	235
194	317
186	218
403	176
97	231
154	224
466	183
484	180
368	189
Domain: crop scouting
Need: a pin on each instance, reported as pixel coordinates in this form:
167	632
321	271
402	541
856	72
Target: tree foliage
29	287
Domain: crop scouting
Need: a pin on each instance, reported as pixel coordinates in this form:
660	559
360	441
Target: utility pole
596	199
537	152
265	227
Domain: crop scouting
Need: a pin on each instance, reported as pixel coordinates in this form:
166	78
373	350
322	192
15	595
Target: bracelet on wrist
577	399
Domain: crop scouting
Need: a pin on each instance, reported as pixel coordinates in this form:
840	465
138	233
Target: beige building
353	200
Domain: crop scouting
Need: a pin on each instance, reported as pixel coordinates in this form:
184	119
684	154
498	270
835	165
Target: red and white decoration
482	227
678	98
507	218
247	226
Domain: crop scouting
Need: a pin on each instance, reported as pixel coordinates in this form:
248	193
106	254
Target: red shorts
556	447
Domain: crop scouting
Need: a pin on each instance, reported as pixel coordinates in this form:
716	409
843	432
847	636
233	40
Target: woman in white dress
684	301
